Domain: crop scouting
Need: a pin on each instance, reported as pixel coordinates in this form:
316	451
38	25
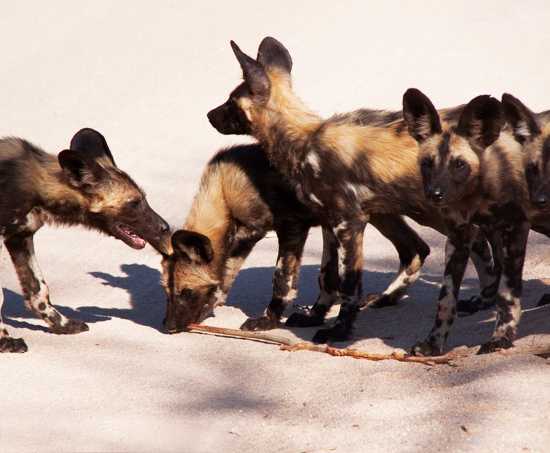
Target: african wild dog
241	198
474	175
82	186
532	132
344	170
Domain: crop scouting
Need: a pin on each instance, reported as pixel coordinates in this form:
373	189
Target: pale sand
145	75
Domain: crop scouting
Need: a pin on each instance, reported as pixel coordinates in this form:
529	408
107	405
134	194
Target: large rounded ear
79	168
272	54
193	246
92	143
420	115
523	121
481	121
253	73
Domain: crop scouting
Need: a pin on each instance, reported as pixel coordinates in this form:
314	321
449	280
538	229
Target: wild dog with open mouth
474	175
344	170
82	186
242	197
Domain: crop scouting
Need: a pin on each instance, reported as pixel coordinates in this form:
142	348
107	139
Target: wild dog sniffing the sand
344	169
242	197
474	176
81	186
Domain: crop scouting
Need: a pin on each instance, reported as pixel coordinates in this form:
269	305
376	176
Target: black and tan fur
242	197
344	169
81	186
474	175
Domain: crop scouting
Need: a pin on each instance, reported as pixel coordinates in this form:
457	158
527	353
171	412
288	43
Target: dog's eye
134	204
427	162
459	163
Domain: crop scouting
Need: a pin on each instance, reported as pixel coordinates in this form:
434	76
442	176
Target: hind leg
35	290
412	252
7	343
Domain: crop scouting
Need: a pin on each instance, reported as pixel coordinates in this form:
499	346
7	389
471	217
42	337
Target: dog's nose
437	194
164	228
541	201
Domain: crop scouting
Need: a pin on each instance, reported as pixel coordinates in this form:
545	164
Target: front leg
457	250
328	286
35	290
349	236
514	241
292	239
7	343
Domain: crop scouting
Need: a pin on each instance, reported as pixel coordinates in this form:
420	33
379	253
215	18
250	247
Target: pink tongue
136	240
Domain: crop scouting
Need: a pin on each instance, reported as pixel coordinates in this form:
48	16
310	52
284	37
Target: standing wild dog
343	170
82	186
474	175
242	197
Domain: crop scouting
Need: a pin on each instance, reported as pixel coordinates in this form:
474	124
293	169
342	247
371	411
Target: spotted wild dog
81	186
532	132
344	170
242	197
474	175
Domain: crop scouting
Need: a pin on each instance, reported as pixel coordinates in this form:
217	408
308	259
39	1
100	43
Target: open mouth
129	236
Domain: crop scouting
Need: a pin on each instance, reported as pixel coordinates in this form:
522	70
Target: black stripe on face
443	148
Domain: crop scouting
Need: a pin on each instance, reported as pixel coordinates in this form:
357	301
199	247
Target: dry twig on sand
286	344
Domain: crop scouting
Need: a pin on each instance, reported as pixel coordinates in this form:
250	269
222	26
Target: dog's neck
61	200
285	125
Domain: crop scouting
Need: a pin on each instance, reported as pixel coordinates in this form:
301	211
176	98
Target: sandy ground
145	74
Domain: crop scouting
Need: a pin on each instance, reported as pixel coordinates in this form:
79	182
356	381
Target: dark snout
541	200
179	315
436	194
228	119
155	230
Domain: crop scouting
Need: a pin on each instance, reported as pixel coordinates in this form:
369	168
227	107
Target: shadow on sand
252	290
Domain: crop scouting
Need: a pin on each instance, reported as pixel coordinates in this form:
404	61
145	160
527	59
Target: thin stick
286	344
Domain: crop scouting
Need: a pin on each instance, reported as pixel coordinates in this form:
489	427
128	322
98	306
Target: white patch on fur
219	298
315	199
403	279
314	162
292	293
522	129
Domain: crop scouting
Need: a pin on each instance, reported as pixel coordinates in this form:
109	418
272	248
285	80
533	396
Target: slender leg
412	252
292	239
457	250
488	272
514	240
328	286
7	343
35	290
349	236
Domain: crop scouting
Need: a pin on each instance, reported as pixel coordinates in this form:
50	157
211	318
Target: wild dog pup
344	169
242	197
82	186
474	175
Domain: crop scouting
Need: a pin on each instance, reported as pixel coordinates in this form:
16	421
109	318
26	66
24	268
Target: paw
306	319
72	326
495	344
9	344
426	348
339	332
381	300
261	323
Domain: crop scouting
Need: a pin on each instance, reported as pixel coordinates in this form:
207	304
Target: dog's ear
193	246
254	73
272	54
81	170
92	143
481	121
523	121
420	115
